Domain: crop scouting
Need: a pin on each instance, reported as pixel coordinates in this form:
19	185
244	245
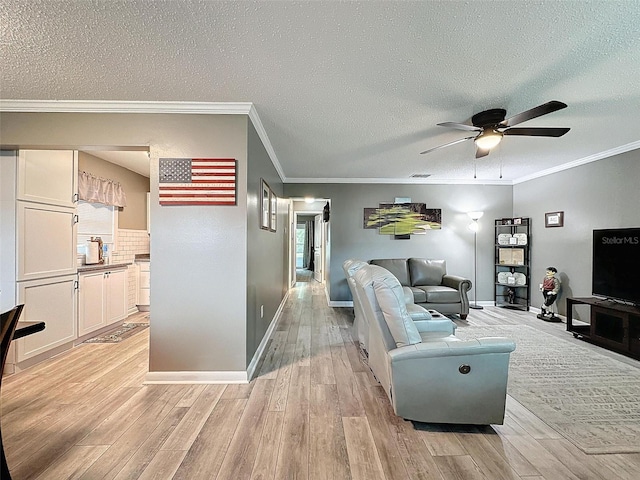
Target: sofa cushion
440	294
397	266
419	295
423	271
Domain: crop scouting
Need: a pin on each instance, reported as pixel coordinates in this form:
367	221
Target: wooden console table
613	325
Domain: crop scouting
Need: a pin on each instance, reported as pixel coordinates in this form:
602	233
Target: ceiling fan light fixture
488	139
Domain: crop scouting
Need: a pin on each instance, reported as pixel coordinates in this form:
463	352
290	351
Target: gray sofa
430	284
430	379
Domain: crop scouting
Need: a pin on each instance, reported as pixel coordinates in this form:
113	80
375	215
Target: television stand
614	326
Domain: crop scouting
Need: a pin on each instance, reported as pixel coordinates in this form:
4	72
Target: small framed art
265	203
554	219
273	211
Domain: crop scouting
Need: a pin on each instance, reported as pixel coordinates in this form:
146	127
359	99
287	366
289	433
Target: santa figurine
550	287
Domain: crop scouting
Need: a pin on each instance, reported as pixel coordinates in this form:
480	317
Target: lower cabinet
52	300
102	299
144	297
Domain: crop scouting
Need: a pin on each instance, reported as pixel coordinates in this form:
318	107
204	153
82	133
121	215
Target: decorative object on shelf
504	238
512	286
402	219
520	238
514	256
554	219
520	278
197	181
474	226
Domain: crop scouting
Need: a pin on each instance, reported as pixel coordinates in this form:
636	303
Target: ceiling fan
492	126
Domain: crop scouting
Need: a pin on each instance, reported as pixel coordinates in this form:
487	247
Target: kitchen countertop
143	257
100	266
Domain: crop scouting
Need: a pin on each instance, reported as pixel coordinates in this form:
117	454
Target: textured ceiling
351	90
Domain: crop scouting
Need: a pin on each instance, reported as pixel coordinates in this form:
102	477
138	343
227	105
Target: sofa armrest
436	325
444	348
459	283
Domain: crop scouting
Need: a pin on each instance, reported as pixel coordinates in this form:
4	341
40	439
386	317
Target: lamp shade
488	139
475	215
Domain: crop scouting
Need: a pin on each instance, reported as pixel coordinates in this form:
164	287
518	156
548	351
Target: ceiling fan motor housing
489	118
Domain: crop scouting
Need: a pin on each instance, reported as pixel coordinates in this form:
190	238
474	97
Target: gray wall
454	242
602	194
199	276
266	251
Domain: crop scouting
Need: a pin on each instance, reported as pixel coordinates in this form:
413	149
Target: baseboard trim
155	378
265	340
232	377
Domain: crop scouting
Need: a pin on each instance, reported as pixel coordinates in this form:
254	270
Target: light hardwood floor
314	411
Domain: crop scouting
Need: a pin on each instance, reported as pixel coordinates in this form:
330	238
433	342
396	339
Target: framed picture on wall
265	203
554	219
273	210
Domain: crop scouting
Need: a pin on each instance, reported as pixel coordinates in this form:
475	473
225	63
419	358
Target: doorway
309	242
306	248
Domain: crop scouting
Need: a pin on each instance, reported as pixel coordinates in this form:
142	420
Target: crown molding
581	161
109	106
187	108
403	181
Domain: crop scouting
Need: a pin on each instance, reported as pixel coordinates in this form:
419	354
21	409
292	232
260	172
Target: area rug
589	398
123	332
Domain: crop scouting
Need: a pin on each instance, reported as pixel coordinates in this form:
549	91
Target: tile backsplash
129	243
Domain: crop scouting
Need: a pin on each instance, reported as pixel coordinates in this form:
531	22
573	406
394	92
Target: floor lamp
474	226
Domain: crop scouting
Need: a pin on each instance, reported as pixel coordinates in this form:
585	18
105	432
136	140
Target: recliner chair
434	380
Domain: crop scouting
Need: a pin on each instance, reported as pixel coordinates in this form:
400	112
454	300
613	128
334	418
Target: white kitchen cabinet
116	295
144	290
53	301
46	240
48	176
102	299
91	293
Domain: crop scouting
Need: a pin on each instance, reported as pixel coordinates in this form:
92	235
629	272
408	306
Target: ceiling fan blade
460	126
535	112
446	145
481	152
537	131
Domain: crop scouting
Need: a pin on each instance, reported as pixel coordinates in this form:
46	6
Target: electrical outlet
261	311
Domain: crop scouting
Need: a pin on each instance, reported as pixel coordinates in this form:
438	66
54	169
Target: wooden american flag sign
197	181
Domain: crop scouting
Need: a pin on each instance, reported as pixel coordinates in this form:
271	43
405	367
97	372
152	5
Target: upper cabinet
46	241
48	176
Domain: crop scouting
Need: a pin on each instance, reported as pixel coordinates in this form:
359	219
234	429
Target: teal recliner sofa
430	379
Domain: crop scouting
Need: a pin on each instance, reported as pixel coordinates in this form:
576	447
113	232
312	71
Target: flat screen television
616	264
